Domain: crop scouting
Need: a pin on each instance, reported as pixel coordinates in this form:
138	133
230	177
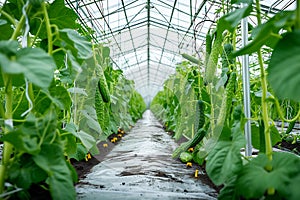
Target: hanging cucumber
191	143
102	86
99	107
213	59
191	58
199	116
227	100
230	90
225	60
201	107
290	127
208	44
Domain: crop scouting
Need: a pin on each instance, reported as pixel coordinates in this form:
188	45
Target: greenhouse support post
246	89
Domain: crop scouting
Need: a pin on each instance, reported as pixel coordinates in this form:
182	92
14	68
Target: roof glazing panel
147	37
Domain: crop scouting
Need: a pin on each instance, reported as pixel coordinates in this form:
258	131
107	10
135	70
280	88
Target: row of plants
59	96
203	102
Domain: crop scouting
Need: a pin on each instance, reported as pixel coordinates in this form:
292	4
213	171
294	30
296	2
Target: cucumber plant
261	176
49	75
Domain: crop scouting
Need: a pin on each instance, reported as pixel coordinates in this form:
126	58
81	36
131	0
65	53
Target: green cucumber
227	50
230	91
191	58
290	127
208	44
212	62
201	107
186	157
103	87
191	143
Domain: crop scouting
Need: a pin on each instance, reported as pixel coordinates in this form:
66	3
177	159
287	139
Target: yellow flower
105	145
191	149
114	139
189	164
119	135
88	157
196	173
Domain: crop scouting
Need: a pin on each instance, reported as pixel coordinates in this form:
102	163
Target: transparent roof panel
147	37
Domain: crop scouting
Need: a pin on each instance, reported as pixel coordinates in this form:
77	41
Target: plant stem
297	26
258	14
48	28
30	93
281	115
264	105
10	18
264	102
7	148
18	28
8	115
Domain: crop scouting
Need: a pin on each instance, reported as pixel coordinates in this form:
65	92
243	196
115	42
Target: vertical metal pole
148	47
246	89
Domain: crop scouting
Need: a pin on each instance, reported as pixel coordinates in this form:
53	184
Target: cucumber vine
48	98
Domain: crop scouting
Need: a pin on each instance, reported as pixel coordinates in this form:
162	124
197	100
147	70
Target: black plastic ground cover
141	167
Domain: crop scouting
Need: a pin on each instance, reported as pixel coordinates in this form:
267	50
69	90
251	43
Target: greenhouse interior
150	99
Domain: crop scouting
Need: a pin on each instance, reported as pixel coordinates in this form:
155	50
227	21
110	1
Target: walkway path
141	167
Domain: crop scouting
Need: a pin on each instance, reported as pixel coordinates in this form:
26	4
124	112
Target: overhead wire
130	33
110	29
200	25
165	39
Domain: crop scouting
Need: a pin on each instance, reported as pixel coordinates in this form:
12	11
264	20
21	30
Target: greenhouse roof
147	37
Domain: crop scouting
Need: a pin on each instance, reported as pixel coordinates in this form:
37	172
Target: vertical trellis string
24	45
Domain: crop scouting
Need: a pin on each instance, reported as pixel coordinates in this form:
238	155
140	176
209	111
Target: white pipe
246	89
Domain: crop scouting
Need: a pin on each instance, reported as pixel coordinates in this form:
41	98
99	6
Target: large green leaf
255	180
9	47
294	188
87	140
47	124
59	15
232	19
22	141
5	30
62	16
34	63
51	160
28	137
23	172
14	8
284	67
90	118
228	192
80	152
60	97
68	74
69	143
258	137
38	66
267	34
36	2
78	44
224	160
